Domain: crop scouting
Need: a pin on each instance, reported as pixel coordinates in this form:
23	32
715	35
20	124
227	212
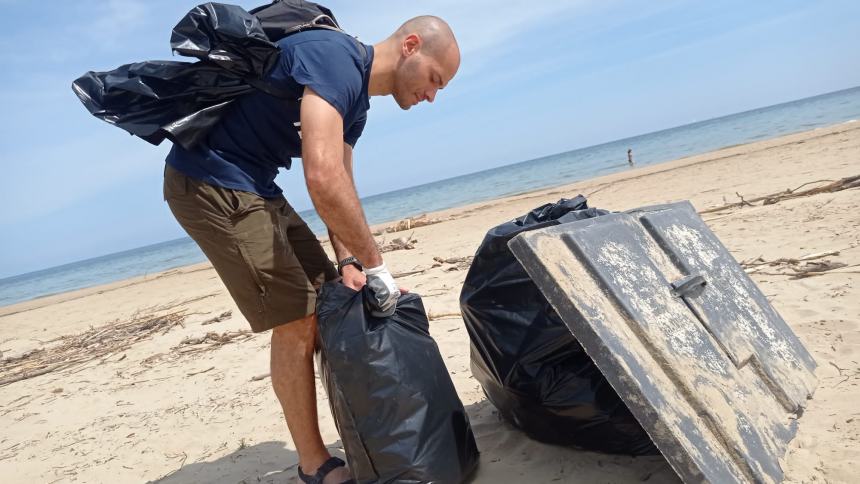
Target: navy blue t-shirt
261	133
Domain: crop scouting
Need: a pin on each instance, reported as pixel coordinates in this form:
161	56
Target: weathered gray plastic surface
702	359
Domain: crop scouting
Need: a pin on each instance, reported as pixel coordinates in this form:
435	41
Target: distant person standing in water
630	156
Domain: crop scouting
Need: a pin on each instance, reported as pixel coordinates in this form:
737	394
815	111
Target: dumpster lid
686	338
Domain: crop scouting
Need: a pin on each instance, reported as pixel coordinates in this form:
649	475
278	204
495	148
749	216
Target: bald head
424	56
436	35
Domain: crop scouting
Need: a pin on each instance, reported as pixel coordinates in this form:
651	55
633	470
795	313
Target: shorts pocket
252	268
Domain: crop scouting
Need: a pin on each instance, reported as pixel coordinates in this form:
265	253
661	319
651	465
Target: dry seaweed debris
411	223
797	268
399	243
198	344
760	261
93	344
830	187
214	340
455	263
218	319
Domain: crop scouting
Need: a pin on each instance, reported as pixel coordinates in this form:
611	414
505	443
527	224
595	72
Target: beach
170	404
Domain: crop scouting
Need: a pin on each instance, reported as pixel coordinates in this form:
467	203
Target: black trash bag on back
182	101
529	364
395	407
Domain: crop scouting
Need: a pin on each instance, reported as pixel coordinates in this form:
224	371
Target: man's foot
332	471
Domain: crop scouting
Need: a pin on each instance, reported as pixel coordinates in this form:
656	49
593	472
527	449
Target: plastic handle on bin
688	284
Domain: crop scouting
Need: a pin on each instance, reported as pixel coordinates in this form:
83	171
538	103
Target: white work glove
384	289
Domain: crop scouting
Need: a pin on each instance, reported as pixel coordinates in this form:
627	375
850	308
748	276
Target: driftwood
201	371
213	339
198	344
455	260
410	273
832	186
759	261
399	243
181	465
93	344
811	269
796	268
456	263
218	319
434	316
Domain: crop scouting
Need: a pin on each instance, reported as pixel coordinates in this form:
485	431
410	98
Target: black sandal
328	466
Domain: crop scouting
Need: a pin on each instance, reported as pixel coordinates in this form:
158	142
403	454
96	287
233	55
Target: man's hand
353	278
385	290
356	279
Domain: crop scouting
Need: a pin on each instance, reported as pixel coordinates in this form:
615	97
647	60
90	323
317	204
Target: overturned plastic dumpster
692	346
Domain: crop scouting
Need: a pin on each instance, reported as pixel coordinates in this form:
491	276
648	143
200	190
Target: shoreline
634	173
4	309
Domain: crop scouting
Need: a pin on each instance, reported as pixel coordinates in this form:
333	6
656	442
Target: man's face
419	76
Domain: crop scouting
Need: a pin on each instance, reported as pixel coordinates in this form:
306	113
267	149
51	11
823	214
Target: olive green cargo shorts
265	254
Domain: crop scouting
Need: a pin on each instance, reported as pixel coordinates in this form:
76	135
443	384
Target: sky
537	78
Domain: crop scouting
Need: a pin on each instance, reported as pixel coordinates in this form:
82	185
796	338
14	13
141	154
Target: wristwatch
351	260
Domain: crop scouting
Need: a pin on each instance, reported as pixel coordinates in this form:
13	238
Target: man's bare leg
292	367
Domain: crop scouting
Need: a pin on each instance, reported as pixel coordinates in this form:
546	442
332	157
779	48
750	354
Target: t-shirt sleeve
354	132
328	69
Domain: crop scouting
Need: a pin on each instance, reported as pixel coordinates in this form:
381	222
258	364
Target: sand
153	413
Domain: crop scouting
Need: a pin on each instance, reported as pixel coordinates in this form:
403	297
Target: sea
554	170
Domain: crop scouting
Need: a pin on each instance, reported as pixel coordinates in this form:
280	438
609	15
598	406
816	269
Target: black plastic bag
395	407
525	358
182	101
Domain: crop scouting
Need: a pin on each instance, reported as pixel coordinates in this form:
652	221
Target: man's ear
411	44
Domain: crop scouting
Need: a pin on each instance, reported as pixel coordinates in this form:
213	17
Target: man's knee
296	337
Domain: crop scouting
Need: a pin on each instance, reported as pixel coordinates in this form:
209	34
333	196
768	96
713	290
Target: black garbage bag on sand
182	101
525	358
395	407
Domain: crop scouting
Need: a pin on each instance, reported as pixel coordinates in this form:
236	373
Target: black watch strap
351	260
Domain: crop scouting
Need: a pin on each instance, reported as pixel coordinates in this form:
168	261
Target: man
223	194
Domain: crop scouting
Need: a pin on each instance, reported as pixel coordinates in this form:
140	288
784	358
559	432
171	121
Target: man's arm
340	250
352	276
333	194
329	183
